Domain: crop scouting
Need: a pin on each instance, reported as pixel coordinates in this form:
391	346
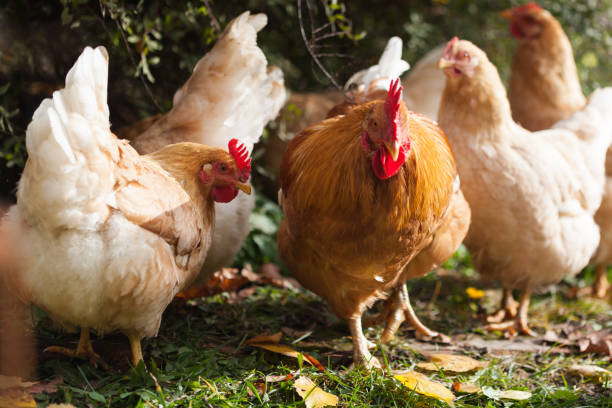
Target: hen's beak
444	63
246	188
507	14
393	149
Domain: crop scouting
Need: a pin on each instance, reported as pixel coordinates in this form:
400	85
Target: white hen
105	238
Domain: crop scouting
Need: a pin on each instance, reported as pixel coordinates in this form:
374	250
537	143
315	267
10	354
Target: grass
200	359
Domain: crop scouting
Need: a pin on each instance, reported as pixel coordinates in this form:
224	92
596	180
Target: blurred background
154	44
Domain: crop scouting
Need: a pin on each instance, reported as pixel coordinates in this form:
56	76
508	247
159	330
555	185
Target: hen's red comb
241	156
392	105
525	8
448	50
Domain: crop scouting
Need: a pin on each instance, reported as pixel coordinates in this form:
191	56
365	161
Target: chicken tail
70	148
424	84
232	92
379	76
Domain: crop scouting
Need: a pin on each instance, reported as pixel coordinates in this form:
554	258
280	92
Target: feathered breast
325	171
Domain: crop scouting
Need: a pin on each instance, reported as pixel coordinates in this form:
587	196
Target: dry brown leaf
450	362
466	388
279	378
14	382
515	395
423	385
61	406
265	338
48	388
590	371
314	396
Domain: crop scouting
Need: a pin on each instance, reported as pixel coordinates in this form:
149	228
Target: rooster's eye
222	167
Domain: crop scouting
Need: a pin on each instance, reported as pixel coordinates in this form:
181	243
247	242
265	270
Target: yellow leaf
16	399
590	371
466	388
423	385
515	395
314	397
474	293
449	362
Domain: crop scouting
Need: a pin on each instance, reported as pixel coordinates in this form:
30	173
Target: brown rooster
362	194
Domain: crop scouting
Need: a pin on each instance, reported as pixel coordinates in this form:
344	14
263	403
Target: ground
200	358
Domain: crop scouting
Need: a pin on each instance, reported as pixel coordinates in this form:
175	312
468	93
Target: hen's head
227	172
527	21
461	59
384	134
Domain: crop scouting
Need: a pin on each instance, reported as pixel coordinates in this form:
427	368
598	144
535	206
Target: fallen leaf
279	378
466	388
474	293
61	406
423	385
506	394
47	388
265	338
270	274
290	352
450	362
314	396
16	398
14	382
515	395
225	280
590	371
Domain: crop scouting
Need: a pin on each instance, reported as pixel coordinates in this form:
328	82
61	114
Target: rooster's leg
600	287
521	322
84	350
507	310
361	354
136	350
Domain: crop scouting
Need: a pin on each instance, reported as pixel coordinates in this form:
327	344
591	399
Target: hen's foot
83	351
601	285
136	350
361	353
399	309
508	309
520	324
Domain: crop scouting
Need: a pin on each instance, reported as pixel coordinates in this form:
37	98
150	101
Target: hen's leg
600	286
361	354
136	350
521	322
507	310
401	309
84	350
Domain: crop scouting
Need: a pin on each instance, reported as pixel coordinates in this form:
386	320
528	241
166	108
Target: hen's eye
465	54
374	123
222	167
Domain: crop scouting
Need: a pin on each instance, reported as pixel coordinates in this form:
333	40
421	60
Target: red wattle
224	194
383	164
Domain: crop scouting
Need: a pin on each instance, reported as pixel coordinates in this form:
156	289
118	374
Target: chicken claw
361	352
520	324
508	309
396	309
83	351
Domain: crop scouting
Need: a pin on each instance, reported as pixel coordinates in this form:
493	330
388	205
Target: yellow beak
246	188
507	14
444	63
393	149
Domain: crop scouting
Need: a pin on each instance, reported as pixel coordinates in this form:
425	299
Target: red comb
241	156
531	6
449	48
392	104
